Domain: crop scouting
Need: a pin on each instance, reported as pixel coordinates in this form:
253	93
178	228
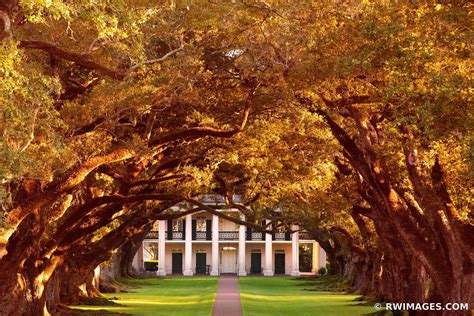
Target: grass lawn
168	296
284	296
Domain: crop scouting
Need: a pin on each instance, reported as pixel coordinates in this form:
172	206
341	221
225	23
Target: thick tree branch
79	59
199	132
66	183
159	180
6	12
84	61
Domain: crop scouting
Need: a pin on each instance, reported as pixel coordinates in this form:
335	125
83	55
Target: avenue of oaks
353	118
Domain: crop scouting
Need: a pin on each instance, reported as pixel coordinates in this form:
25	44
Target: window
150	251
177	225
201	224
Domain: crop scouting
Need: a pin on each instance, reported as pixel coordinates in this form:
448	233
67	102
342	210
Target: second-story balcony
203	235
257	236
174	235
229	235
281	236
226	235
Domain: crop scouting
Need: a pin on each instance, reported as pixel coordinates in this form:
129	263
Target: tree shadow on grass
325	284
101	312
94	301
100	301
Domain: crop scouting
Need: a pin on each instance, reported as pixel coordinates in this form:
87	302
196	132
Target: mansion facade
203	243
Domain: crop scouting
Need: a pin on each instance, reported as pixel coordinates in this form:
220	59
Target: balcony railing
280	236
152	235
228	235
201	236
178	235
225	235
256	236
175	235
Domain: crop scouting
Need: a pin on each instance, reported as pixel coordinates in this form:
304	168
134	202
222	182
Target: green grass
259	296
168	296
284	296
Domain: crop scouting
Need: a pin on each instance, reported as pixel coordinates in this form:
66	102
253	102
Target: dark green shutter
273	235
208	229
170	229
263	233
194	223
249	233
184	230
287	235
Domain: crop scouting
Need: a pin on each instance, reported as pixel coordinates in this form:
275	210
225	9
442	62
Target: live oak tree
112	134
93	126
396	99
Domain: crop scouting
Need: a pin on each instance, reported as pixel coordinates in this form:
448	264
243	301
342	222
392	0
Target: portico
204	243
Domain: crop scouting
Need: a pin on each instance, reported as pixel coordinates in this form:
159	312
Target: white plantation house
204	243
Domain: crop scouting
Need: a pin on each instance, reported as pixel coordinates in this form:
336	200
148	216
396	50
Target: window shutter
170	229
184	230
208	229
194	223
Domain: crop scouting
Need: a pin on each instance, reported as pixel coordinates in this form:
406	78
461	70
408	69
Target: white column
188	247
96	278
161	249
322	258
315	265
242	271
268	271
139	261
215	246
295	245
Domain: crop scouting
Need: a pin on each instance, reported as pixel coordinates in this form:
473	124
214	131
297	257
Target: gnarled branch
84	61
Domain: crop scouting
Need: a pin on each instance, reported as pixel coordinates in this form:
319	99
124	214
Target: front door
279	263
256	262
229	261
177	262
200	263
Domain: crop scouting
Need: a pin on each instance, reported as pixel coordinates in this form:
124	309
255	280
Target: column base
242	273
161	273
214	273
268	273
188	273
295	273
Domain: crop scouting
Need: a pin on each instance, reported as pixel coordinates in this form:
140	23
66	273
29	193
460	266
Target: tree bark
445	257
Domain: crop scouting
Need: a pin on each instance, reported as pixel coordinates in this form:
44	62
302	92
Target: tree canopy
353	118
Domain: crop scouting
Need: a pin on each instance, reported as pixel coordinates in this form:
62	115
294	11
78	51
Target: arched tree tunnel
351	119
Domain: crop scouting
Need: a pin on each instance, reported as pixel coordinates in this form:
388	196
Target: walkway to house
228	297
